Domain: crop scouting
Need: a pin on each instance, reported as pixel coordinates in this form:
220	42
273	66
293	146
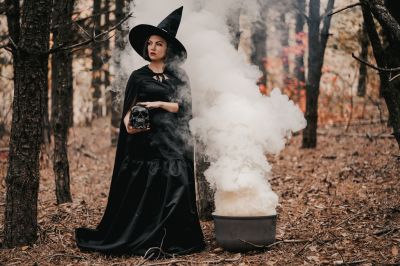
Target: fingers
149	105
132	130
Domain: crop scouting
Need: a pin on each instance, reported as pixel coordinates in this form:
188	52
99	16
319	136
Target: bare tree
106	54
259	42
120	77
96	62
62	92
299	70
386	58
30	58
317	39
284	40
362	78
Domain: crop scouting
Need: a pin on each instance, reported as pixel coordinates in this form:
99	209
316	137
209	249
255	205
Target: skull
139	117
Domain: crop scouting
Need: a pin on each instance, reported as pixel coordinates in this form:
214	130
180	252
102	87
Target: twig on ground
349	218
386	231
350	262
51	257
276	243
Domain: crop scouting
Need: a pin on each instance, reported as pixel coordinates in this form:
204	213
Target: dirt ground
339	204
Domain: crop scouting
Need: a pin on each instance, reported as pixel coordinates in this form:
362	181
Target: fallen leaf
395	251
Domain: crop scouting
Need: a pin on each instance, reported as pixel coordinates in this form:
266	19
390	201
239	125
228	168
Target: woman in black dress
151	208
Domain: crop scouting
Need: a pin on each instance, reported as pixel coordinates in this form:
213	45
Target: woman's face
157	48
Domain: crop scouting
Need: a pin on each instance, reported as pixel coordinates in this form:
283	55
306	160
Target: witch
151	208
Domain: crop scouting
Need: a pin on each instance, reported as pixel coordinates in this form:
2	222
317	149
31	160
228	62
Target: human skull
139	117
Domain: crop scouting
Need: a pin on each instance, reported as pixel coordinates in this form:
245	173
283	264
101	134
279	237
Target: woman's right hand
128	126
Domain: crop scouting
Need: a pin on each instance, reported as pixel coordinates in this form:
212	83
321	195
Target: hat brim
139	35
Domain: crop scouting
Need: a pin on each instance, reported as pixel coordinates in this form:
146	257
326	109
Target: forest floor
339	204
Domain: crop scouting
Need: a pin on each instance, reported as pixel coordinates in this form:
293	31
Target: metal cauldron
238	233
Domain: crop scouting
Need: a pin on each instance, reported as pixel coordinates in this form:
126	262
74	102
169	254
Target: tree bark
61	94
389	90
96	63
13	17
284	40
120	77
106	53
259	41
205	196
362	78
299	70
317	43
30	60
389	24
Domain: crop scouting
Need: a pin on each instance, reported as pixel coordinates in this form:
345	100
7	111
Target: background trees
288	42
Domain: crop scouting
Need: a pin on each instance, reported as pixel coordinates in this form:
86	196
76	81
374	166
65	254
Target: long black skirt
151	211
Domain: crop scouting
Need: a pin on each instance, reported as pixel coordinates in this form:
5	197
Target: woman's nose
152	47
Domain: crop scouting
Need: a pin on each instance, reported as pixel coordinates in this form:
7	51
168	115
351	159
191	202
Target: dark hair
170	55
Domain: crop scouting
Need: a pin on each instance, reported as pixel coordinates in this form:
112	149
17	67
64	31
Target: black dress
151	206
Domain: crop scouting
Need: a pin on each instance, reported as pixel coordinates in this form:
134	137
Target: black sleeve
131	91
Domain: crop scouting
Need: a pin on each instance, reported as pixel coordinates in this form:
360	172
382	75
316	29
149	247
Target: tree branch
95	38
380	69
326	25
301	12
343	9
84	19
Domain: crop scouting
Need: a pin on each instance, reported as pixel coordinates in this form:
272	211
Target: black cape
151	206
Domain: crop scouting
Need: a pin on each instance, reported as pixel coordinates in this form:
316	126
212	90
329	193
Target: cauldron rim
244	217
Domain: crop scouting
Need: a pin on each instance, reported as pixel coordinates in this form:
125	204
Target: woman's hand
169	106
150	105
128	126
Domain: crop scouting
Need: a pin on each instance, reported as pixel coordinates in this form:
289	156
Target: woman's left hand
151	105
169	106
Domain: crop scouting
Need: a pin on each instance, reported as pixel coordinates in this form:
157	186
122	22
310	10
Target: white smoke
235	122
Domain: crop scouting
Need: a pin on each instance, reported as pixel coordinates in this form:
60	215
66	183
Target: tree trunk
61	94
390	90
259	41
362	78
317	43
106	53
46	131
13	17
205	196
234	27
284	40
96	63
120	77
299	70
30	79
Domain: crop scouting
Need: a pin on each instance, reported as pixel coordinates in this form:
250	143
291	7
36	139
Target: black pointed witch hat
167	29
